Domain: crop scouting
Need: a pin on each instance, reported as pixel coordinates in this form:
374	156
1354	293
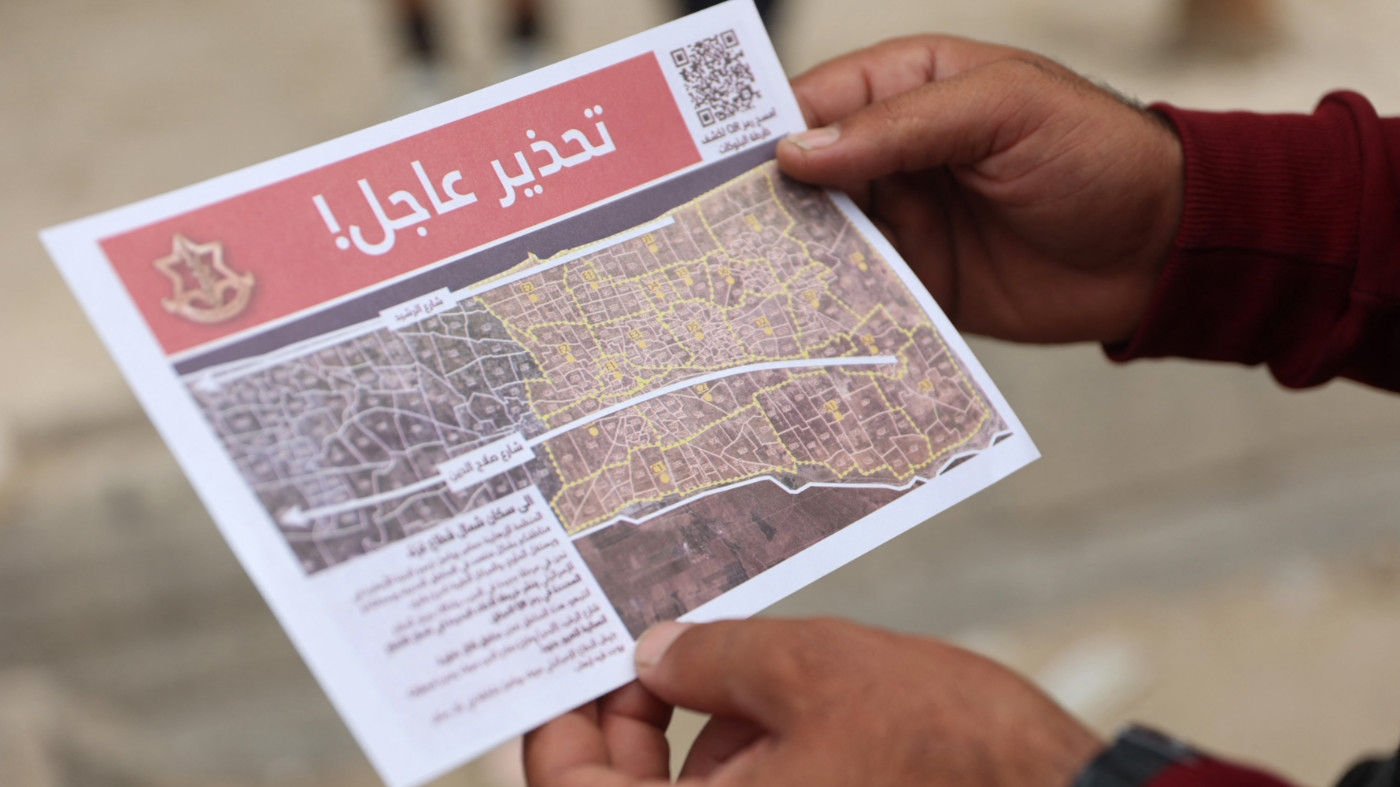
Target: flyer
479	394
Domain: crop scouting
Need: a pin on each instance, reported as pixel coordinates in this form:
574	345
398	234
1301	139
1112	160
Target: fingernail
814	138
654	642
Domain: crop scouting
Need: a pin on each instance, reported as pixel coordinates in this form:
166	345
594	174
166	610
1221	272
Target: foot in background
1228	27
526	51
765	9
421	83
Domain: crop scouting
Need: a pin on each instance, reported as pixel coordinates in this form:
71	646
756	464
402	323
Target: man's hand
814	703
1034	205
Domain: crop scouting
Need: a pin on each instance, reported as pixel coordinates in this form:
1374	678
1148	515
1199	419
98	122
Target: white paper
478	394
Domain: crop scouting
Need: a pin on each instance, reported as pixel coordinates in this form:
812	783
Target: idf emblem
217	294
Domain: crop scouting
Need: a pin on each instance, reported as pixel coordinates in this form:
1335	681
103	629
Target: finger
913	212
633	723
571	752
717	744
958	121
839	87
564	745
765	671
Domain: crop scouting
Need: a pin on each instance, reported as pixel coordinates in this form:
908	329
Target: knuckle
889	125
813	656
885	125
1031	76
1023	70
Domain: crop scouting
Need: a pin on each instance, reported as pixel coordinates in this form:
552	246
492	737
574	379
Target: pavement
1198	548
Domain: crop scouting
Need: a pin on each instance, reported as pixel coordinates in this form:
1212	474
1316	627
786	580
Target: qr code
717	78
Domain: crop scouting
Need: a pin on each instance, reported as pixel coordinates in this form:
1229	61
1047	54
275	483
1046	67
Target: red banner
297	243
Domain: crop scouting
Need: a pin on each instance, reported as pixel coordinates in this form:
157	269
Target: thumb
764	671
961	120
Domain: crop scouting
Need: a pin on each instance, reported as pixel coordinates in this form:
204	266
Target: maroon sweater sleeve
1289	248
1209	772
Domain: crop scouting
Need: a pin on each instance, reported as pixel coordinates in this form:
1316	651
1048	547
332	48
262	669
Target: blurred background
1198	549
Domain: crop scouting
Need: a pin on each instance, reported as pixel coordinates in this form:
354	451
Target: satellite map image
698	399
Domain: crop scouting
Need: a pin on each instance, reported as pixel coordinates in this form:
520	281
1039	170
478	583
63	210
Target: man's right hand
1034	205
814	703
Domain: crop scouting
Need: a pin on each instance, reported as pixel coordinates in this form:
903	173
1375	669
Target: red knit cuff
1264	257
1208	772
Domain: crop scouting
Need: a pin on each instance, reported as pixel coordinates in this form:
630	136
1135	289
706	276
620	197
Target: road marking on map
298	518
806	363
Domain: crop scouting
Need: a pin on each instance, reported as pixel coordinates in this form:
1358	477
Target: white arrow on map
297	518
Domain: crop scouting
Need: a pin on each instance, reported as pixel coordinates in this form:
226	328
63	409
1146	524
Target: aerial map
698	399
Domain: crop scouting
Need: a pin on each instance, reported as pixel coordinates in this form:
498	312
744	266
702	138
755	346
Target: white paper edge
399	759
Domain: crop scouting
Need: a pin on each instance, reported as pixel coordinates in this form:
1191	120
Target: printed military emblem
206	289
